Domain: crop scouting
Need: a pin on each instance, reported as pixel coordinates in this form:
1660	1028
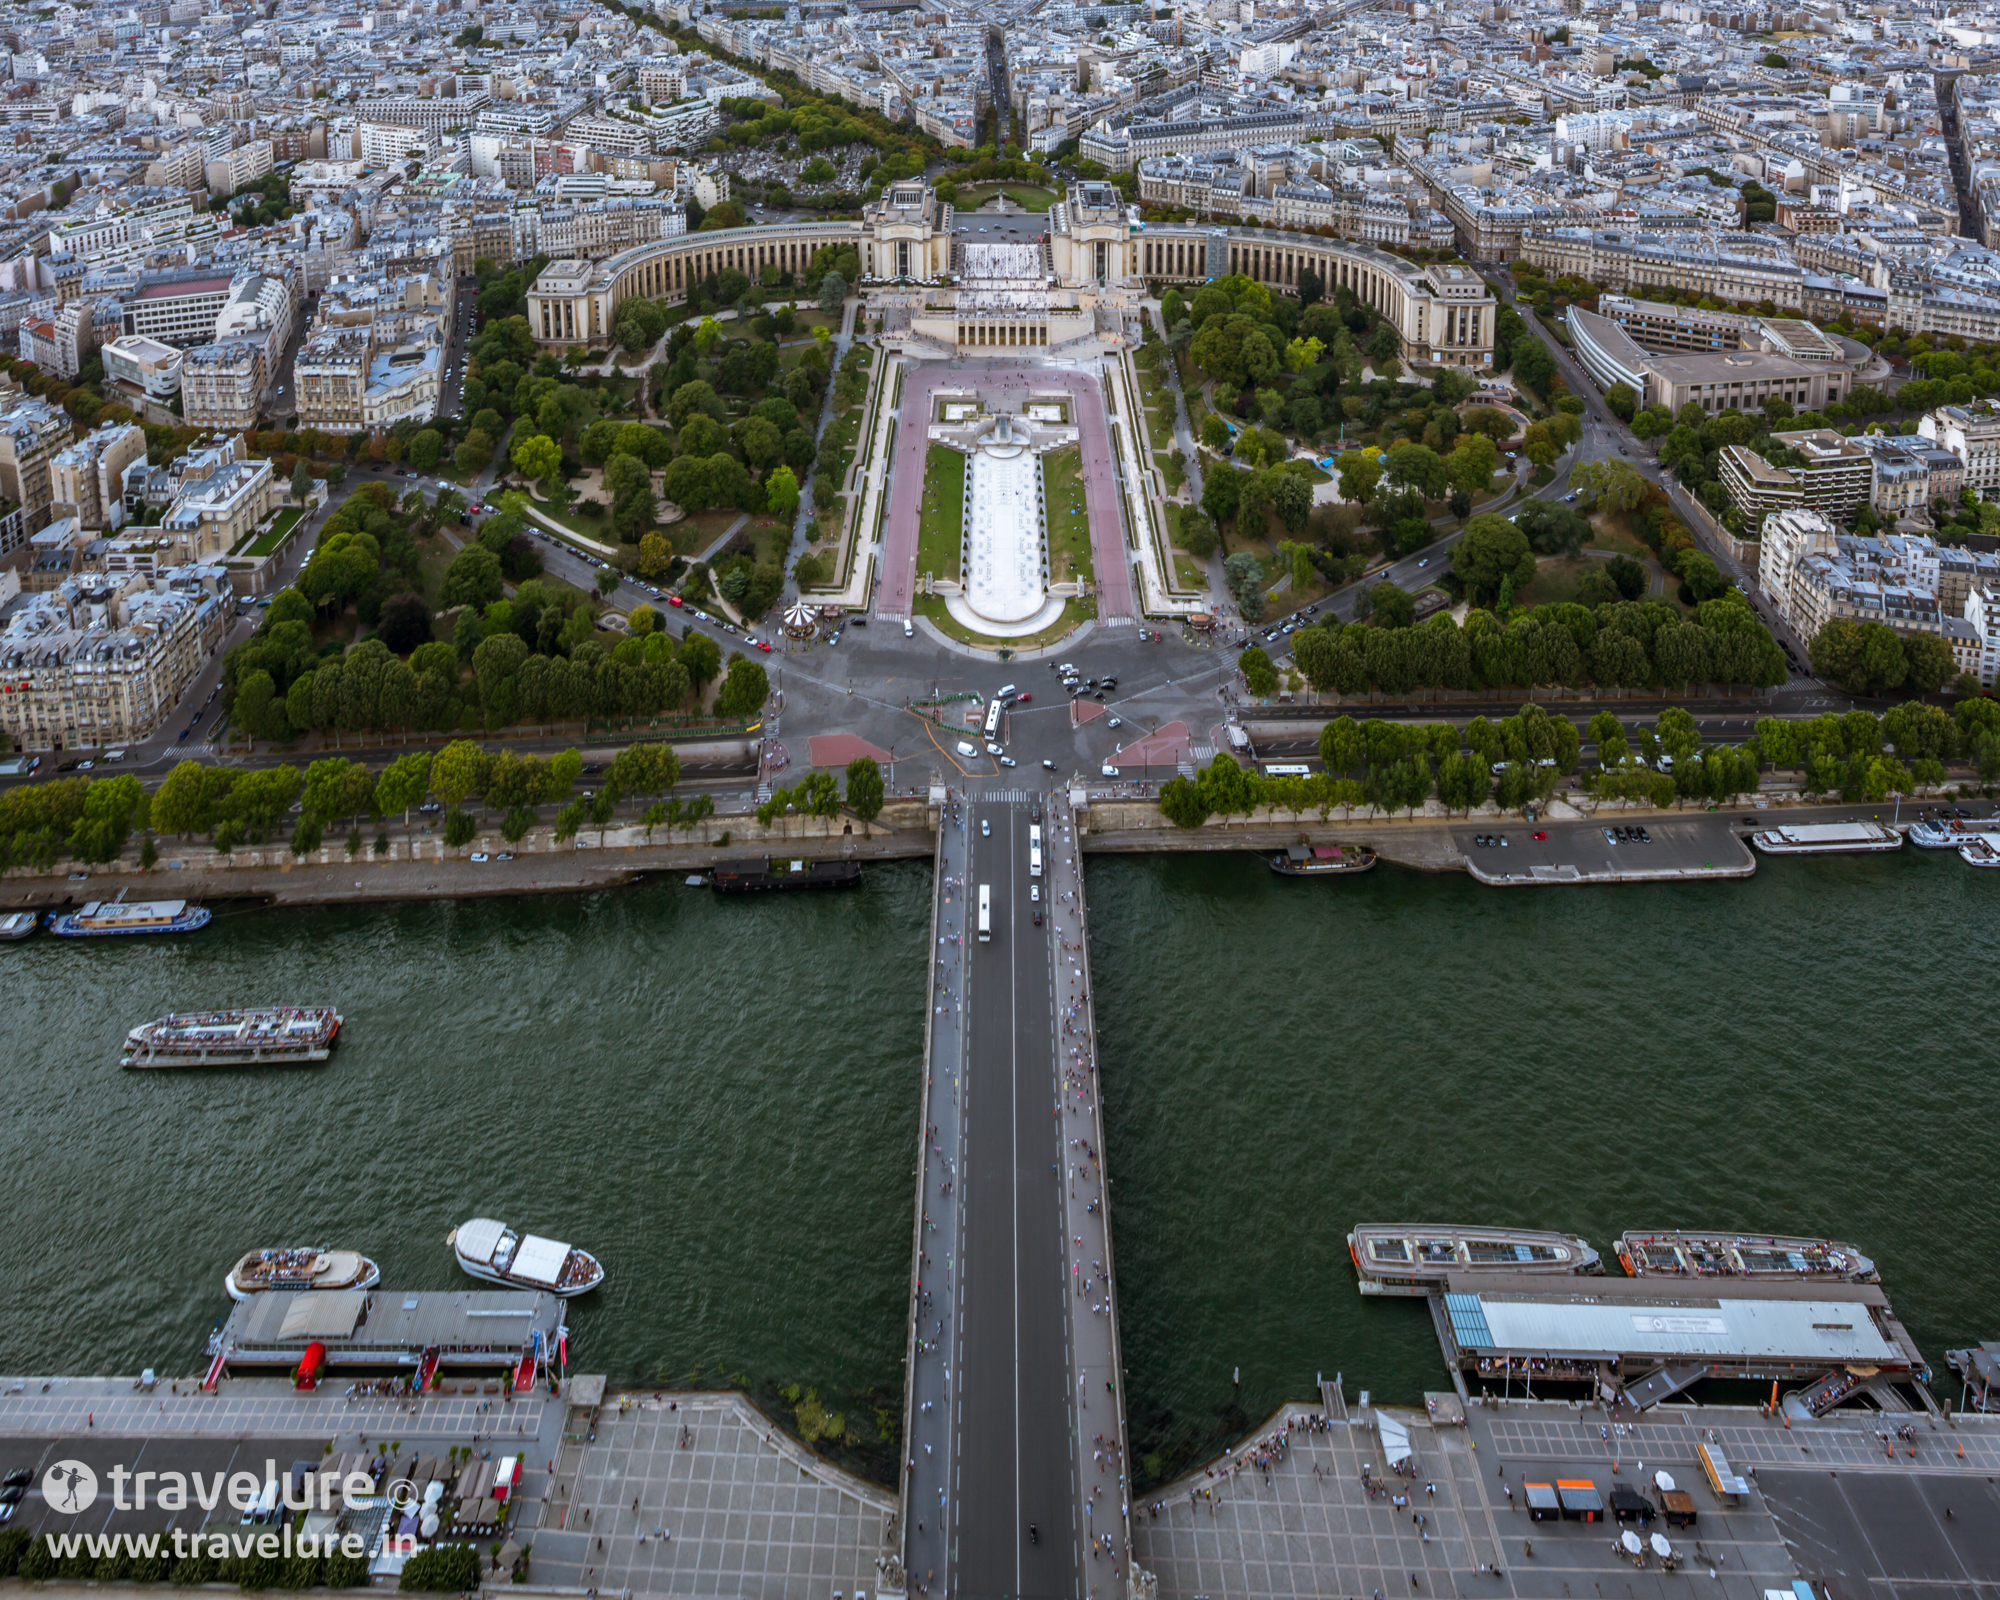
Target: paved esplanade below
1016	1429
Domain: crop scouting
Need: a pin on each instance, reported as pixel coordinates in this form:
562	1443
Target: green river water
720	1098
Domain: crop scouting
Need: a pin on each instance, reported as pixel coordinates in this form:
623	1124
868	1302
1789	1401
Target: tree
1244	574
472	579
702	657
1492	551
1616	483
473	455
112	807
864	789
1533	365
1182	804
403	784
1360	471
743	691
538	456
1221	494
405	623
1418	468
1291	499
1259	676
1392	606
1622	400
832	293
302	481
458	770
781	493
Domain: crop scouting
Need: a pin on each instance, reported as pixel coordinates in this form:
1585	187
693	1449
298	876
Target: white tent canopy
1395	1439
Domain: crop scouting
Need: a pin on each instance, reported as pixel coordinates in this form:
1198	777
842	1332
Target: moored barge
18	925
1414	1258
1686	1253
1312	861
263	1036
757	874
107	918
1827	838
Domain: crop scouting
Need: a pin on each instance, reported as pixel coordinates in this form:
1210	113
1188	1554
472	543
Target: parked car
479	855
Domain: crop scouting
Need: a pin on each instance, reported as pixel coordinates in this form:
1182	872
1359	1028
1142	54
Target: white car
478	855
1009	761
1108	770
909	628
992	749
985	829
1115	722
965	749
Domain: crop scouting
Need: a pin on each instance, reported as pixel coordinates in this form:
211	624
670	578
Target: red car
673	600
1539	834
762	645
1022	699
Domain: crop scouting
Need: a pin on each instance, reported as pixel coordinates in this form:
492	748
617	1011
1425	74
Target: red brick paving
837	749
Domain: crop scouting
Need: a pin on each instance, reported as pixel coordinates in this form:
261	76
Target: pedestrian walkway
63	1408
934	1323
1103	1471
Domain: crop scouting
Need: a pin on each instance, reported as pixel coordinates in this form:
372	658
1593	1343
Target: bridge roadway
1015	1423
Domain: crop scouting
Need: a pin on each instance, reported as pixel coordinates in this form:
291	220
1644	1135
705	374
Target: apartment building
239	168
31	432
1814	574
222	384
1972	433
63	342
360	379
86	479
90	664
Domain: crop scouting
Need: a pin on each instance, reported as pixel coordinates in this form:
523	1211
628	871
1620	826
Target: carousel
801	621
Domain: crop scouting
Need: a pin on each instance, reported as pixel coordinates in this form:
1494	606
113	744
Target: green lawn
941	527
1556	580
1190	572
265	543
1024	195
1069	525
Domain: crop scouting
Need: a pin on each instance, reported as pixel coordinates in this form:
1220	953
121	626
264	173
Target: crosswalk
1019	797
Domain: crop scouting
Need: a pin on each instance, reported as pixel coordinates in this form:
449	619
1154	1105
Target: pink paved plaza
898	586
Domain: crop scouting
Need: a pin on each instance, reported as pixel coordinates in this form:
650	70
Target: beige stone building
94	663
86	480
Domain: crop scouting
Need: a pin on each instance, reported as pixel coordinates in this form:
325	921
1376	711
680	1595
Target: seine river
719	1098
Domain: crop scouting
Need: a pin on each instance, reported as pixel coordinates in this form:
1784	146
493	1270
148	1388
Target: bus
985	914
993	720
1034	850
1294	770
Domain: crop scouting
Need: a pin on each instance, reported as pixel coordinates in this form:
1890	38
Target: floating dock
1645	1340
375	1331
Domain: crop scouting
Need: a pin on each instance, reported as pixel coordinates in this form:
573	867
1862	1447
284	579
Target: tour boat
1937	834
1413	1258
300	1269
1687	1254
1826	838
18	925
263	1036
495	1252
1311	861
103	918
